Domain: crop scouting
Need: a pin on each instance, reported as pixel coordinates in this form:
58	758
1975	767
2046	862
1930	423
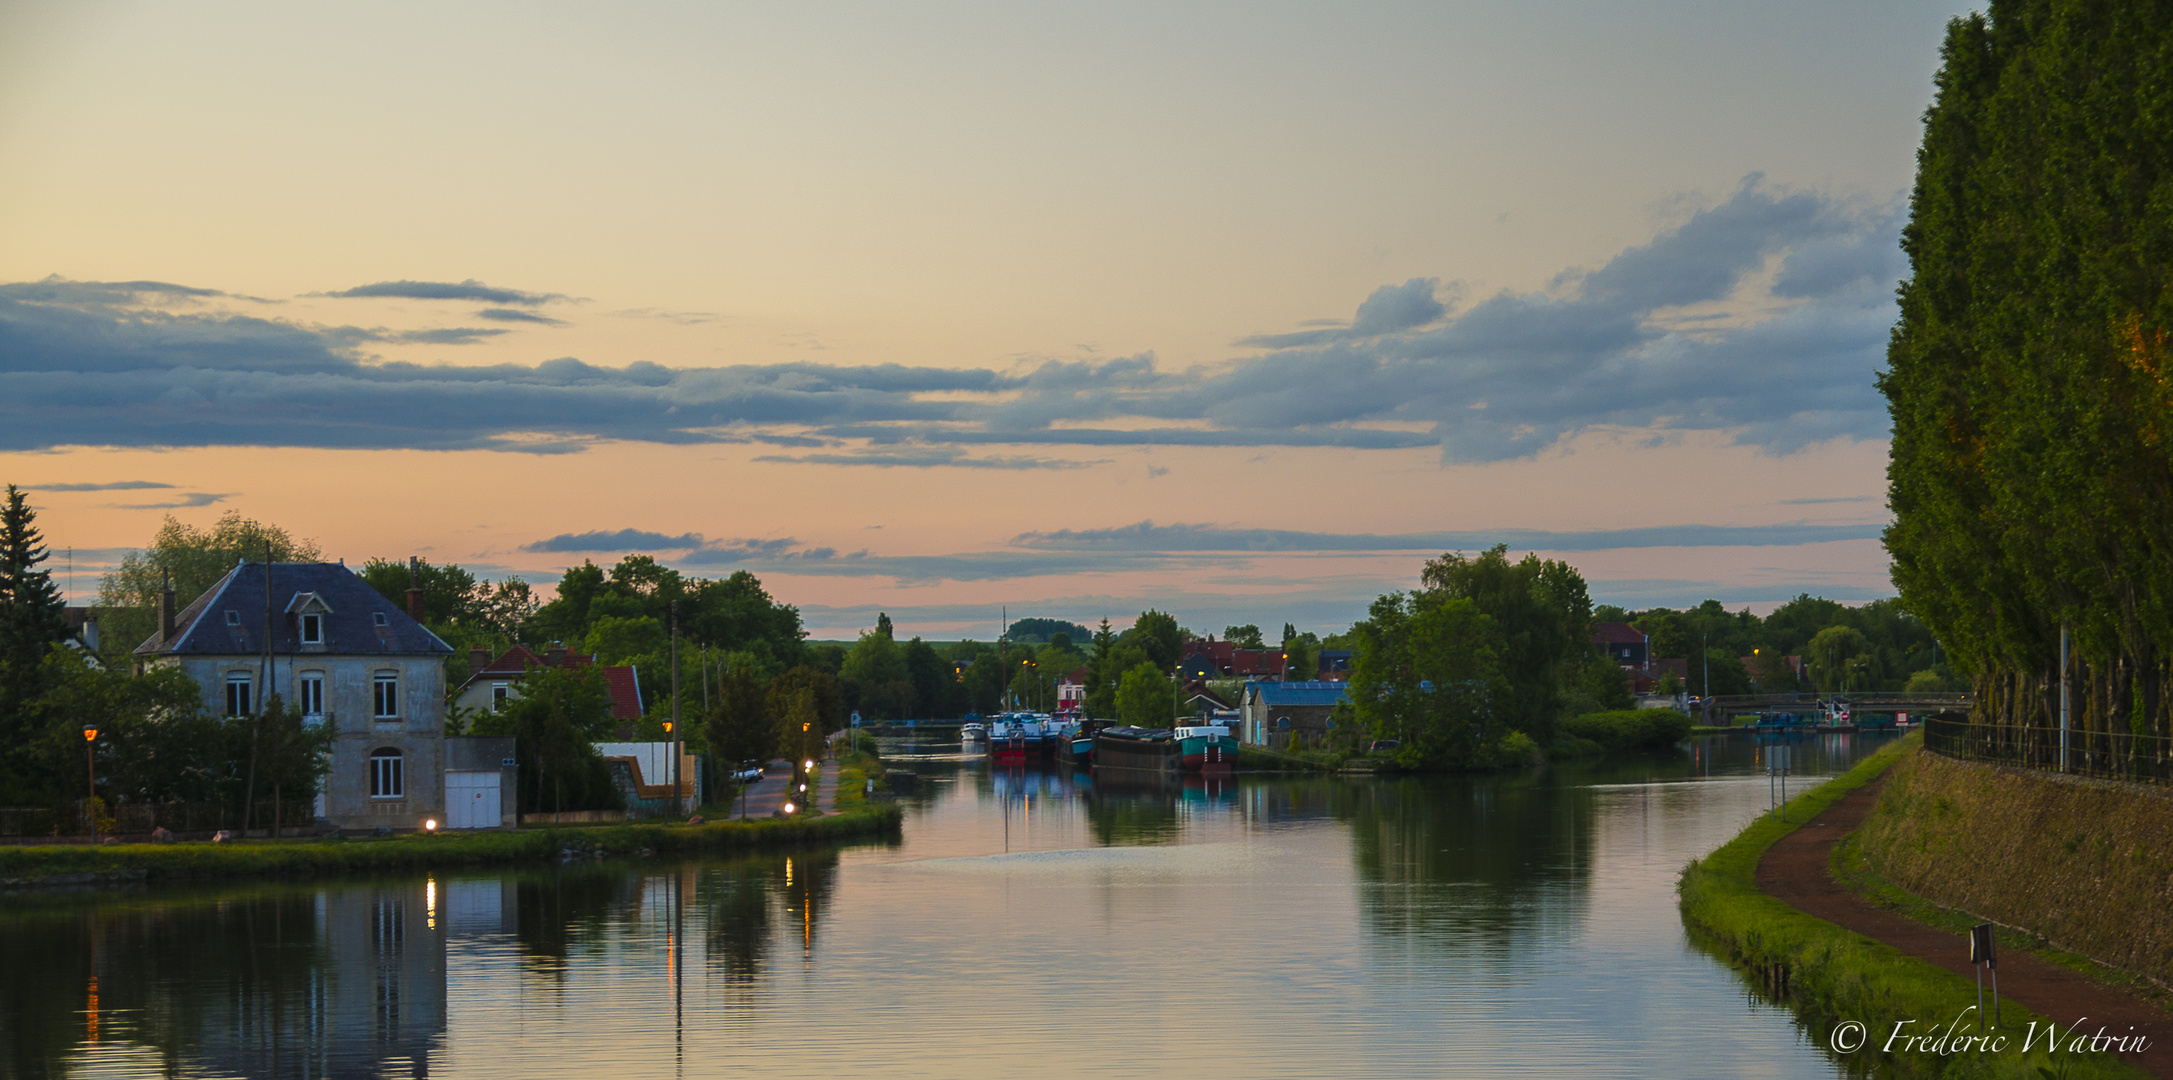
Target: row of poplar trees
2031	480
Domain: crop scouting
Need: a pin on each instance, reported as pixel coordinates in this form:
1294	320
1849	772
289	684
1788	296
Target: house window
237	695
312	629
387	779
377	617
386	696
312	695
500	693
233	618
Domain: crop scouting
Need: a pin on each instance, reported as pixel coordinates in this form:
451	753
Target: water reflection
1310	916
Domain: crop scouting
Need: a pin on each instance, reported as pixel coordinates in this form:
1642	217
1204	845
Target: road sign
856	719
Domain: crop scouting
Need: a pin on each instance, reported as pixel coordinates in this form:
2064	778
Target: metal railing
2105	755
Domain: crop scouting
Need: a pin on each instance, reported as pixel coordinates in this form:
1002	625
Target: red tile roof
1617	633
620	686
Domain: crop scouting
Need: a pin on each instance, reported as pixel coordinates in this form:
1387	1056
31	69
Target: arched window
387	778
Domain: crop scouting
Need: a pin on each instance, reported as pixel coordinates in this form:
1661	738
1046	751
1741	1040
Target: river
1027	923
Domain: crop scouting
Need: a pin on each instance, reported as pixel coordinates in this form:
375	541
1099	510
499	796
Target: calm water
1028	923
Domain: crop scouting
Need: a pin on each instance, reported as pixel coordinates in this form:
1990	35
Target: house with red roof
494	682
1626	645
1071	692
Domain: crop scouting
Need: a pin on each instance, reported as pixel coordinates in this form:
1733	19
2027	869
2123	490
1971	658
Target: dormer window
378	617
312	629
233	618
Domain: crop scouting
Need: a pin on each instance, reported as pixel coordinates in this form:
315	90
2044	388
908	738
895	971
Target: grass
1833	975
1852	869
2080	862
316	858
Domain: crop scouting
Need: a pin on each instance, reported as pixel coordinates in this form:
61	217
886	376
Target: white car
748	772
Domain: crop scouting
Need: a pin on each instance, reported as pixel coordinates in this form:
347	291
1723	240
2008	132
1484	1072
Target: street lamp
671	767
90	775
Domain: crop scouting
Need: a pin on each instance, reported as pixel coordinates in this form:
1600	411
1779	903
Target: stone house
1278	714
326	642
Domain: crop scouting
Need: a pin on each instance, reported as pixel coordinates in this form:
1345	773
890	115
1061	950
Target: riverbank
1832	976
2081	863
44	866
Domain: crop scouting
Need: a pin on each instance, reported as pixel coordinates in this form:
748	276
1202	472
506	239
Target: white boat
972	731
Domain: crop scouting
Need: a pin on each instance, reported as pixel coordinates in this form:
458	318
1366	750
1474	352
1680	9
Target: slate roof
1275	694
350	624
1617	633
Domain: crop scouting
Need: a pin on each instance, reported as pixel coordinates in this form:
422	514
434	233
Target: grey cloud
928	458
1506	377
1390	309
193	498
622	540
447	336
1146	536
117	485
499	314
470	289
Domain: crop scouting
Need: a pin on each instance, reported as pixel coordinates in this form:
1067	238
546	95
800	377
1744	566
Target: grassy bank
1833	975
2079	862
315	858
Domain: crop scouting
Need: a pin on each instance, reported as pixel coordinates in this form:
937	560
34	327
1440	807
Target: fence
2106	755
142	818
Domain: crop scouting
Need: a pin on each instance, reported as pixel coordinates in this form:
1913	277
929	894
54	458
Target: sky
1240	311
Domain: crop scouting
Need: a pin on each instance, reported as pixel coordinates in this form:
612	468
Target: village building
331	646
493	683
1279	715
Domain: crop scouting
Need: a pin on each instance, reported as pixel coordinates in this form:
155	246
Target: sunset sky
1239	311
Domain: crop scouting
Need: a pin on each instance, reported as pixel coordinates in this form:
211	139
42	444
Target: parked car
748	772
1382	746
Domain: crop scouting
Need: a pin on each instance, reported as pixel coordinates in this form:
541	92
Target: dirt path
1796	871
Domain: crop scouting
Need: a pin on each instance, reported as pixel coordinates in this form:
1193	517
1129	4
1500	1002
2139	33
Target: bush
1630	729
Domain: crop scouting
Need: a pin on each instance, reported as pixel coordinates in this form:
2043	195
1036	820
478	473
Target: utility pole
674	770
2063	698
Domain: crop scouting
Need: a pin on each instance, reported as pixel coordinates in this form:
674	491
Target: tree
1427	671
1830	655
738	726
882	625
556	722
805	703
192	560
1156	634
1244	637
2030	471
30	622
1543	616
877	668
1301	657
1145	697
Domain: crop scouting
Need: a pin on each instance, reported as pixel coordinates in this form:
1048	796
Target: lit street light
90	776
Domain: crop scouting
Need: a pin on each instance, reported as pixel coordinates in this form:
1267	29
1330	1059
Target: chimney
414	593
478	658
165	610
555	655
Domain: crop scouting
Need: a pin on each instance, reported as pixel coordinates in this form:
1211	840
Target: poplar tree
2031	475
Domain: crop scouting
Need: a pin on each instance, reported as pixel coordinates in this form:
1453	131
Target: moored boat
1153	749
1017	738
1207	749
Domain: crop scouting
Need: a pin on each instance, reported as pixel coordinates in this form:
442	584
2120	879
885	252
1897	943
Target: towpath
1796	870
768	793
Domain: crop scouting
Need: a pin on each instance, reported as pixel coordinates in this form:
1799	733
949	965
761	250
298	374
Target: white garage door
471	800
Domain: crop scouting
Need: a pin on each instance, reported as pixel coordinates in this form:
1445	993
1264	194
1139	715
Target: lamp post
90	777
671	768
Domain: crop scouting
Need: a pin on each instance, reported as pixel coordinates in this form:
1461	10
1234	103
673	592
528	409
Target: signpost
1984	955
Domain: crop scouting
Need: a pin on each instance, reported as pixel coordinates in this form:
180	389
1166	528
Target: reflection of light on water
91	1011
1180	858
430	902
